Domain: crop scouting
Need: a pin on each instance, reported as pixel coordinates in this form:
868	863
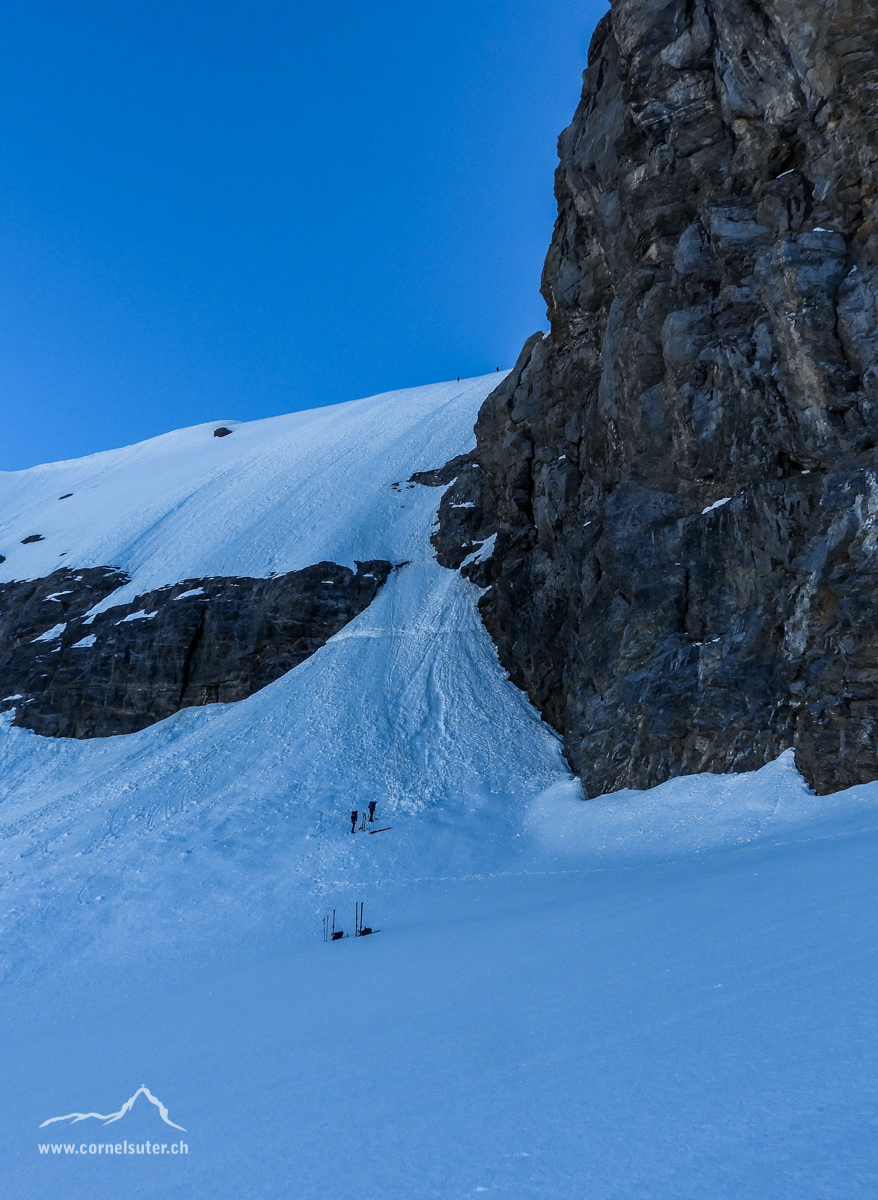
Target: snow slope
277	495
667	994
407	704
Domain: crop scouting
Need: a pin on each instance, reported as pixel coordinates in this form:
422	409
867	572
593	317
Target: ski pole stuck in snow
362	930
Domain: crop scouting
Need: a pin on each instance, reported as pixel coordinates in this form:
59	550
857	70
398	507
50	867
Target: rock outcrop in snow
712	288
202	641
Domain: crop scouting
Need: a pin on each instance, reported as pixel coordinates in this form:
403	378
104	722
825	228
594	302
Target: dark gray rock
682	475
201	641
221	431
441	476
32	537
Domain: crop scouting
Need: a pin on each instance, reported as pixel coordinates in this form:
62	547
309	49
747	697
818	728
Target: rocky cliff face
201	641
682	476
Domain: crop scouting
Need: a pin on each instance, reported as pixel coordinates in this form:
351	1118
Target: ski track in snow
104	836
666	994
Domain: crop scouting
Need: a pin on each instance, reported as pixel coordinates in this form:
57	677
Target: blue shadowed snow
661	994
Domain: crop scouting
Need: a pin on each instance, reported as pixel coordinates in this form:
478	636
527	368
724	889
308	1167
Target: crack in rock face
682	475
200	641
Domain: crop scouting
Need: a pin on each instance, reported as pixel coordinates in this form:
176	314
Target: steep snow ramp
238	811
277	495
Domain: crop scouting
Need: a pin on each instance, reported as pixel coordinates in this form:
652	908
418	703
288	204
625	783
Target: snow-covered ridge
276	495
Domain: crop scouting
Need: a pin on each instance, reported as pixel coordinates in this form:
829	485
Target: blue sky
231	210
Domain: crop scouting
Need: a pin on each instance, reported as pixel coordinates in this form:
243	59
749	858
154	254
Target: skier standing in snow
372	812
354	815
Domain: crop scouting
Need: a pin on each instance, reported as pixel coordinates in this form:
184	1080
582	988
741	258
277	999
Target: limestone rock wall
682	476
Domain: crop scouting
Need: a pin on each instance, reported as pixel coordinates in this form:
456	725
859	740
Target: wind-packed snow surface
664	994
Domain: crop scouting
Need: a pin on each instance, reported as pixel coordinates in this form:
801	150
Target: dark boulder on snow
682	476
200	641
32	537
221	431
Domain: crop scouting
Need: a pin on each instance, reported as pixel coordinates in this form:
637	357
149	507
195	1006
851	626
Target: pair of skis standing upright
331	934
